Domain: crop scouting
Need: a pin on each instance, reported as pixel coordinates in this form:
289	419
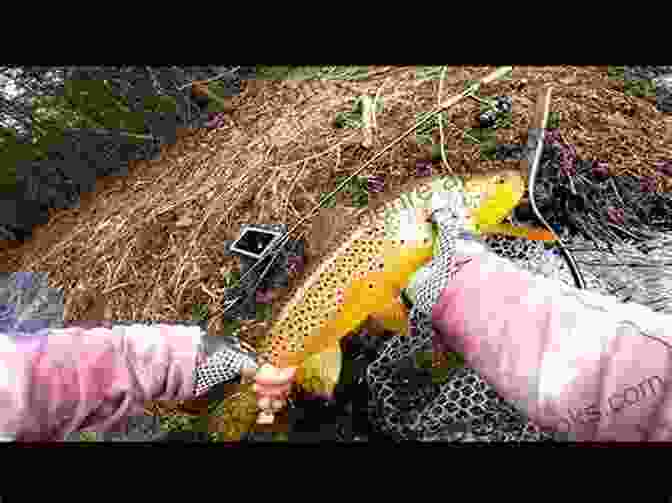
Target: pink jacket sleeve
73	378
574	361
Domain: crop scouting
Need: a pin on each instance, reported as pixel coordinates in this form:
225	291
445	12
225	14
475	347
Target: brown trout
360	277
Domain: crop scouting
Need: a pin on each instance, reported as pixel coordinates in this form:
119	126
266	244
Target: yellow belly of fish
375	294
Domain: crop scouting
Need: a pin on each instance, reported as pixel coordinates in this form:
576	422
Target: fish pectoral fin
393	315
321	371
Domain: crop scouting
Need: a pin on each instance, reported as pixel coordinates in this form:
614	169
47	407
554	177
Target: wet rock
664	93
509	152
503	105
645	72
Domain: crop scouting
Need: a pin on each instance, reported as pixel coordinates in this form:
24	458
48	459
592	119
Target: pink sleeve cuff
92	377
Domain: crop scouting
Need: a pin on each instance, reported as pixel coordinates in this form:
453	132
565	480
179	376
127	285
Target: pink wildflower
665	167
423	168
616	215
264	296
295	264
600	169
648	184
375	184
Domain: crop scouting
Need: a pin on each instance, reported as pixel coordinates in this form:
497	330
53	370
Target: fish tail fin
532	233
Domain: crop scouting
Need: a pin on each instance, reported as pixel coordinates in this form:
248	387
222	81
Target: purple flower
423	168
264	297
7	317
375	184
665	167
295	264
600	169
648	184
10	324
32	326
216	120
616	215
552	136
23	280
567	162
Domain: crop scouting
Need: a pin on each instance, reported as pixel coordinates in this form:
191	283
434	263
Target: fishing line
574	269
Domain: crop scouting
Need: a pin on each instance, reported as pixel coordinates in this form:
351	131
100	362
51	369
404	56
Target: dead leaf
185	221
569	81
618	120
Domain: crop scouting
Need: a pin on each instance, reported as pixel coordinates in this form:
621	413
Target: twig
613	184
291	188
572	187
443	148
106	131
375	103
481	100
224	74
366	120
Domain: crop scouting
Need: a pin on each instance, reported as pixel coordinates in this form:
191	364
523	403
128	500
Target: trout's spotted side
361	274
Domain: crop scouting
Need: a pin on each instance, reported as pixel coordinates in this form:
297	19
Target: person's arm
572	360
66	379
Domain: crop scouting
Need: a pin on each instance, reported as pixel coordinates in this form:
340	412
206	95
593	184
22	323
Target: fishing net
621	250
408	404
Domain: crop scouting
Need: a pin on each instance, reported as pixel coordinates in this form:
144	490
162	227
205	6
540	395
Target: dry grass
150	246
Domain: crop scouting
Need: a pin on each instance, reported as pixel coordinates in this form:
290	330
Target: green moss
616	72
504	121
353	118
636	88
424	133
264	312
328	203
199	312
553	120
294	72
356	190
488	149
640	88
429	72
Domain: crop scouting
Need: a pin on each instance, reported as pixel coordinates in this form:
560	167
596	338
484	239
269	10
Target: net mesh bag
406	405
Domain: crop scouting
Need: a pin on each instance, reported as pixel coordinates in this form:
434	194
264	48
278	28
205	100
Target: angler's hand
272	386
